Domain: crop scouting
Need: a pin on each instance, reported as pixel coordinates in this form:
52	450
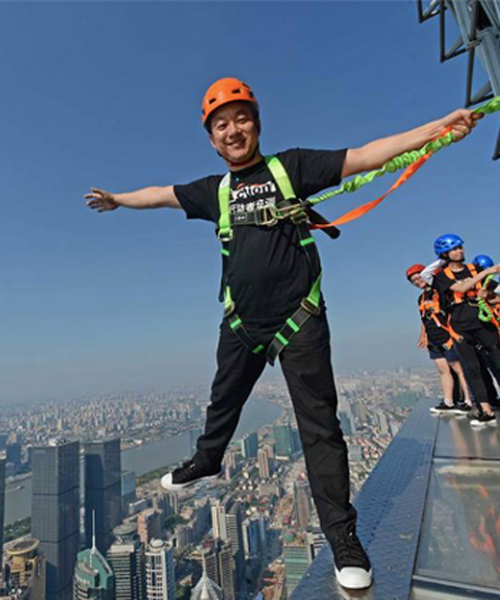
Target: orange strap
366	208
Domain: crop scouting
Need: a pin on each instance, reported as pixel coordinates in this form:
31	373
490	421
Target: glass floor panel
460	538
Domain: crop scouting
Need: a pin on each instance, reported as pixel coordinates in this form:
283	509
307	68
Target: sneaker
187	474
484	419
352	566
462	408
443	408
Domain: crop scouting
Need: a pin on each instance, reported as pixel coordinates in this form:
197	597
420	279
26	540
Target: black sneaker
443	408
484	419
352	565
187	474
462	408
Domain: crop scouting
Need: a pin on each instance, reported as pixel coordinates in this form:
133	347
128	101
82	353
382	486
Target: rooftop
429	516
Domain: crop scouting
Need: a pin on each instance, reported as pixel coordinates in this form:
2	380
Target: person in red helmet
271	291
439	339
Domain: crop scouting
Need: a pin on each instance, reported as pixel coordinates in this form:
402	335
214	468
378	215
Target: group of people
460	312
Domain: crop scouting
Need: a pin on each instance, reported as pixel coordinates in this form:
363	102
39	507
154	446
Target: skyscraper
94	579
234	531
302	503
216	561
250	445
55	513
13	455
284	444
126	557
264	464
2	508
298	557
102	470
206	589
160	573
218	520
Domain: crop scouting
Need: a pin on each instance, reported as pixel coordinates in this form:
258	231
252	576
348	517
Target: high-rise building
302	503
298	557
207	589
251	538
168	502
2	509
160	573
128	491
102	472
215	559
284	444
150	525
264	463
26	567
126	557
234	532
55	513
94	578
250	445
219	520
13	455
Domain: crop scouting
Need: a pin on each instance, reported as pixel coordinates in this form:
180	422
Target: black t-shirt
436	336
268	271
464	316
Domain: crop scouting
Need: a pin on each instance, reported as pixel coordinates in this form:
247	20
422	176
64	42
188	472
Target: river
142	459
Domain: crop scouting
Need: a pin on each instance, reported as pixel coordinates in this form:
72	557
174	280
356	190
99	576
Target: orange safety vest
460	297
430	309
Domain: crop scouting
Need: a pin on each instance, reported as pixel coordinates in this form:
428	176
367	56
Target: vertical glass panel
460	539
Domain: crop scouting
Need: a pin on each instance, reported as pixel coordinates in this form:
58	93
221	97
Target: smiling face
234	133
417	281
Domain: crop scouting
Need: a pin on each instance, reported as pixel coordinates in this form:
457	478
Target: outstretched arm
375	154
150	197
468	284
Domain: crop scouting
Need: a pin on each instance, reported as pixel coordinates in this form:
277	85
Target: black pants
306	365
487	337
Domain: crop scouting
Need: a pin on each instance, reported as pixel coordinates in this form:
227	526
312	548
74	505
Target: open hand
101	200
462	122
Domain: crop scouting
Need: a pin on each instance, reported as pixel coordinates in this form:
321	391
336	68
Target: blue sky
108	95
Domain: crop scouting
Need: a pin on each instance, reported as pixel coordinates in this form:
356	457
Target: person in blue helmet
273	303
459	284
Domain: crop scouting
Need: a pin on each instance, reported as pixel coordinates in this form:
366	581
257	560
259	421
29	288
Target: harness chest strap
432	308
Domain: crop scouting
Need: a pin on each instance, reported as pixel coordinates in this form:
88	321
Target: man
439	339
459	285
271	281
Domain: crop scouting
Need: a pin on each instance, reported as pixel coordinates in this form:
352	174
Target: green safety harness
269	215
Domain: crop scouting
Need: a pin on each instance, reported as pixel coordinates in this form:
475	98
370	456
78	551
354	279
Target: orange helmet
224	91
414	270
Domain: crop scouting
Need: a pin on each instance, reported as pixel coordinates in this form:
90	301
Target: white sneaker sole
354	578
167	485
482	424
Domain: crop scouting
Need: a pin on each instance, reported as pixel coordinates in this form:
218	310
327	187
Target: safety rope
410	161
485	312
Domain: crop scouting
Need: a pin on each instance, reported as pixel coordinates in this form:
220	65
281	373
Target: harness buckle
225	238
309	307
266	215
229	309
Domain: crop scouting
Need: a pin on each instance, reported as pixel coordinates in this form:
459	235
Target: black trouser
487	337
306	365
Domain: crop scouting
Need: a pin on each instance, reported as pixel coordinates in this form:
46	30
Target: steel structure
479	37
